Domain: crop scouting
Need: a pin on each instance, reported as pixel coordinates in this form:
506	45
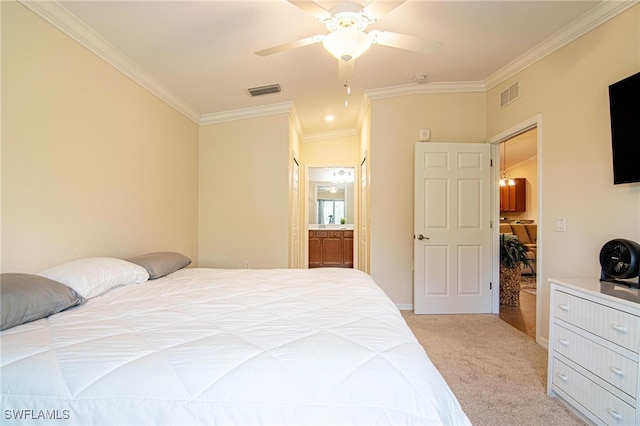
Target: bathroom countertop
315	227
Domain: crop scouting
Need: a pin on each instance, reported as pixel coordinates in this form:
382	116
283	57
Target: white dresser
594	349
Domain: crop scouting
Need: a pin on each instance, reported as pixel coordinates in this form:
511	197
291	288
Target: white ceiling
202	52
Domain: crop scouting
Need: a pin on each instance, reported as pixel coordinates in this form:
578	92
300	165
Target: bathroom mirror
330	196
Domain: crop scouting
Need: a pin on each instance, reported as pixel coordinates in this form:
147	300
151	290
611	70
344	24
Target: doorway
330	216
519	160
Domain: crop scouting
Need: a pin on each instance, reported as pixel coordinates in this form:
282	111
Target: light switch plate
561	224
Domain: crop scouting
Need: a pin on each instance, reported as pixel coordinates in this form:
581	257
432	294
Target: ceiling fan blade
292	45
345	70
312	8
403	41
377	9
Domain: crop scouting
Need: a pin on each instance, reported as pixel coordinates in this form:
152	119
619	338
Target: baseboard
405	306
543	342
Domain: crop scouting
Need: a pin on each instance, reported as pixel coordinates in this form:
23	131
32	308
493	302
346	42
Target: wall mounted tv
624	106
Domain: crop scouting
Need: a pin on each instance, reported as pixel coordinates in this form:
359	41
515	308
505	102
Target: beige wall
331	151
244	193
92	164
395	122
569	90
1	139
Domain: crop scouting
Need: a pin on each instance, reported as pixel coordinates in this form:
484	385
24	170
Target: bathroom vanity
331	247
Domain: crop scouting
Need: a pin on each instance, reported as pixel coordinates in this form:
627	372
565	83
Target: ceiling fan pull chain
348	91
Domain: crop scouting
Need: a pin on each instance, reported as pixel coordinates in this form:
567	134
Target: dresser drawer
610	366
621	328
604	405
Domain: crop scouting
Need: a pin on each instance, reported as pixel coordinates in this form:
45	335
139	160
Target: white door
452	236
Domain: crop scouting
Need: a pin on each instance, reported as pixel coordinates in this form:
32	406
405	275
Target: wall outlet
247	264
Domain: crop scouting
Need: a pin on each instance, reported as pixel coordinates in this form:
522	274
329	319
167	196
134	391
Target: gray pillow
160	264
26	297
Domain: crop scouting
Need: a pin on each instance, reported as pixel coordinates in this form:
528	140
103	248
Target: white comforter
213	346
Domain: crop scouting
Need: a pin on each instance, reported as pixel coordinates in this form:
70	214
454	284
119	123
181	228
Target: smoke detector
420	78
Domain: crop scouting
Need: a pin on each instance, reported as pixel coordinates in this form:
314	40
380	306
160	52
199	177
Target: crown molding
244	113
365	104
412	89
59	17
295	119
595	17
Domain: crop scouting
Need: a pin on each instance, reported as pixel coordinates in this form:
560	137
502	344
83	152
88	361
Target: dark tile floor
522	317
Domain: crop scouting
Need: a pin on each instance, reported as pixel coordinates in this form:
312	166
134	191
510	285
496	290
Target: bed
218	346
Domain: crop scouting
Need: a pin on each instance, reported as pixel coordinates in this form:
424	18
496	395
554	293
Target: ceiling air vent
510	94
264	90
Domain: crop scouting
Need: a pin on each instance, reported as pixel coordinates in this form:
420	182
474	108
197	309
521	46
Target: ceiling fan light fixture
346	43
343	20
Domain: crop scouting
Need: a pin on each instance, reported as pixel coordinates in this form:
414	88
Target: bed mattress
214	346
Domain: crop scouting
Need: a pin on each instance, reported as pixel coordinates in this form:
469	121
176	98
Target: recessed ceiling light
329	117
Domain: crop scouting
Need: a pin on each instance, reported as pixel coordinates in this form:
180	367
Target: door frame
305	217
495	141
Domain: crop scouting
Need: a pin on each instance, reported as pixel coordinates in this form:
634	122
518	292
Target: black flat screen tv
624	106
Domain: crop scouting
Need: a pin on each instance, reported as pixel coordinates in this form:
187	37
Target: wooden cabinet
514	198
331	248
315	249
594	346
347	248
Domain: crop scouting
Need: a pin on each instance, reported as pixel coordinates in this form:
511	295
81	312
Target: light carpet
498	374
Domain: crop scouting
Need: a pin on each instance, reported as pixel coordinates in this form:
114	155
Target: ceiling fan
346	22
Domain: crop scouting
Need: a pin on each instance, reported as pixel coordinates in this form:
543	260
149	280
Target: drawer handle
563	377
563	342
614	414
617	370
563	307
619	328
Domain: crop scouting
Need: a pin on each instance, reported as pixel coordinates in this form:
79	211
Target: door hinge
490	224
491	162
490	285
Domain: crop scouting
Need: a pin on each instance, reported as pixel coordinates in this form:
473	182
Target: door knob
422	237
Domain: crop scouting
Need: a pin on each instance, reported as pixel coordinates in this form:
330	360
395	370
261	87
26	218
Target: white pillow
91	277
